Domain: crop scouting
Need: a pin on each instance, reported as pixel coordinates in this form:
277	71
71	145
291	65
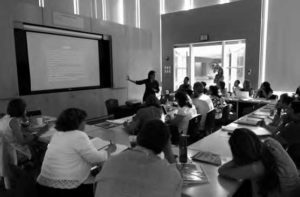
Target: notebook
191	174
249	121
106	125
229	128
99	143
207	157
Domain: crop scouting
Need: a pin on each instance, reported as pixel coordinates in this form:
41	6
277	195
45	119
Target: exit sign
204	37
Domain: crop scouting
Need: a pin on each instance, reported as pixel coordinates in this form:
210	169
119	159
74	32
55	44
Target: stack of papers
191	174
207	157
249	121
229	128
261	113
257	116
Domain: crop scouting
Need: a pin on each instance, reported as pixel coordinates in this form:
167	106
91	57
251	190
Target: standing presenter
151	84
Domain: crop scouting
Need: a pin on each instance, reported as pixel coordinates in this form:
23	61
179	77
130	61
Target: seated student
151	111
186	111
205	91
140	171
290	134
266	164
236	87
247	87
186	87
218	101
17	136
222	88
281	108
202	102
265	91
69	158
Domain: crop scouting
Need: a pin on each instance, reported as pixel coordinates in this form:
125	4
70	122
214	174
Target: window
200	60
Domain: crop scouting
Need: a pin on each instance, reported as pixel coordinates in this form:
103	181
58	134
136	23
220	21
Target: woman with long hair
152	85
266	164
265	91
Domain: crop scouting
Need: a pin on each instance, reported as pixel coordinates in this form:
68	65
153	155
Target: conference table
254	102
216	142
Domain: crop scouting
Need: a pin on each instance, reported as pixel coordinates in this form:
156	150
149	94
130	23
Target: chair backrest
273	97
225	114
210	121
194	125
111	105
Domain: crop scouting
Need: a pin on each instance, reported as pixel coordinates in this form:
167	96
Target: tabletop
216	142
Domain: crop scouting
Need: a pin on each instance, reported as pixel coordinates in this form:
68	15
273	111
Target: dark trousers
84	190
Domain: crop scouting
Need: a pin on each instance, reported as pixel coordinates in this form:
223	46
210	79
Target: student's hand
111	148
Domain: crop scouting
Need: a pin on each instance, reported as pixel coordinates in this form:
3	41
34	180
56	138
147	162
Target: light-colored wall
133	53
283	45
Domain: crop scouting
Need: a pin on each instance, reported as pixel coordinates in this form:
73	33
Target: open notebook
191	174
106	125
102	145
208	157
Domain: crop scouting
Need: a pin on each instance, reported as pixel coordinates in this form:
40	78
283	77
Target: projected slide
58	62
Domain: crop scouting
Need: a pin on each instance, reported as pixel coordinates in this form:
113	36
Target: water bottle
183	148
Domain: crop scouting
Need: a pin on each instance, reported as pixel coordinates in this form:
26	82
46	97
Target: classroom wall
283	48
236	20
133	53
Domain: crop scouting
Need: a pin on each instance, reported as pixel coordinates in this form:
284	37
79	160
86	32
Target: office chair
225	115
111	106
193	130
210	121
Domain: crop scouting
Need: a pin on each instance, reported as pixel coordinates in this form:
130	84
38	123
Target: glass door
201	62
181	64
234	62
206	57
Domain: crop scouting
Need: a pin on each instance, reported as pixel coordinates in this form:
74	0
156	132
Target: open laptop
242	94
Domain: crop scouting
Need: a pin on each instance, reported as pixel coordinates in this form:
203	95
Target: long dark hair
247	148
151	72
267	87
214	91
183	99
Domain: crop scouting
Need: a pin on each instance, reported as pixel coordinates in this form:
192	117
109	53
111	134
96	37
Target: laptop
242	94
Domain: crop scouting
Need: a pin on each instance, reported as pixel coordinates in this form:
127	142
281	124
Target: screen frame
23	69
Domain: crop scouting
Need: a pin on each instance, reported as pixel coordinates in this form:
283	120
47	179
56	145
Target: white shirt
188	114
203	105
69	157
